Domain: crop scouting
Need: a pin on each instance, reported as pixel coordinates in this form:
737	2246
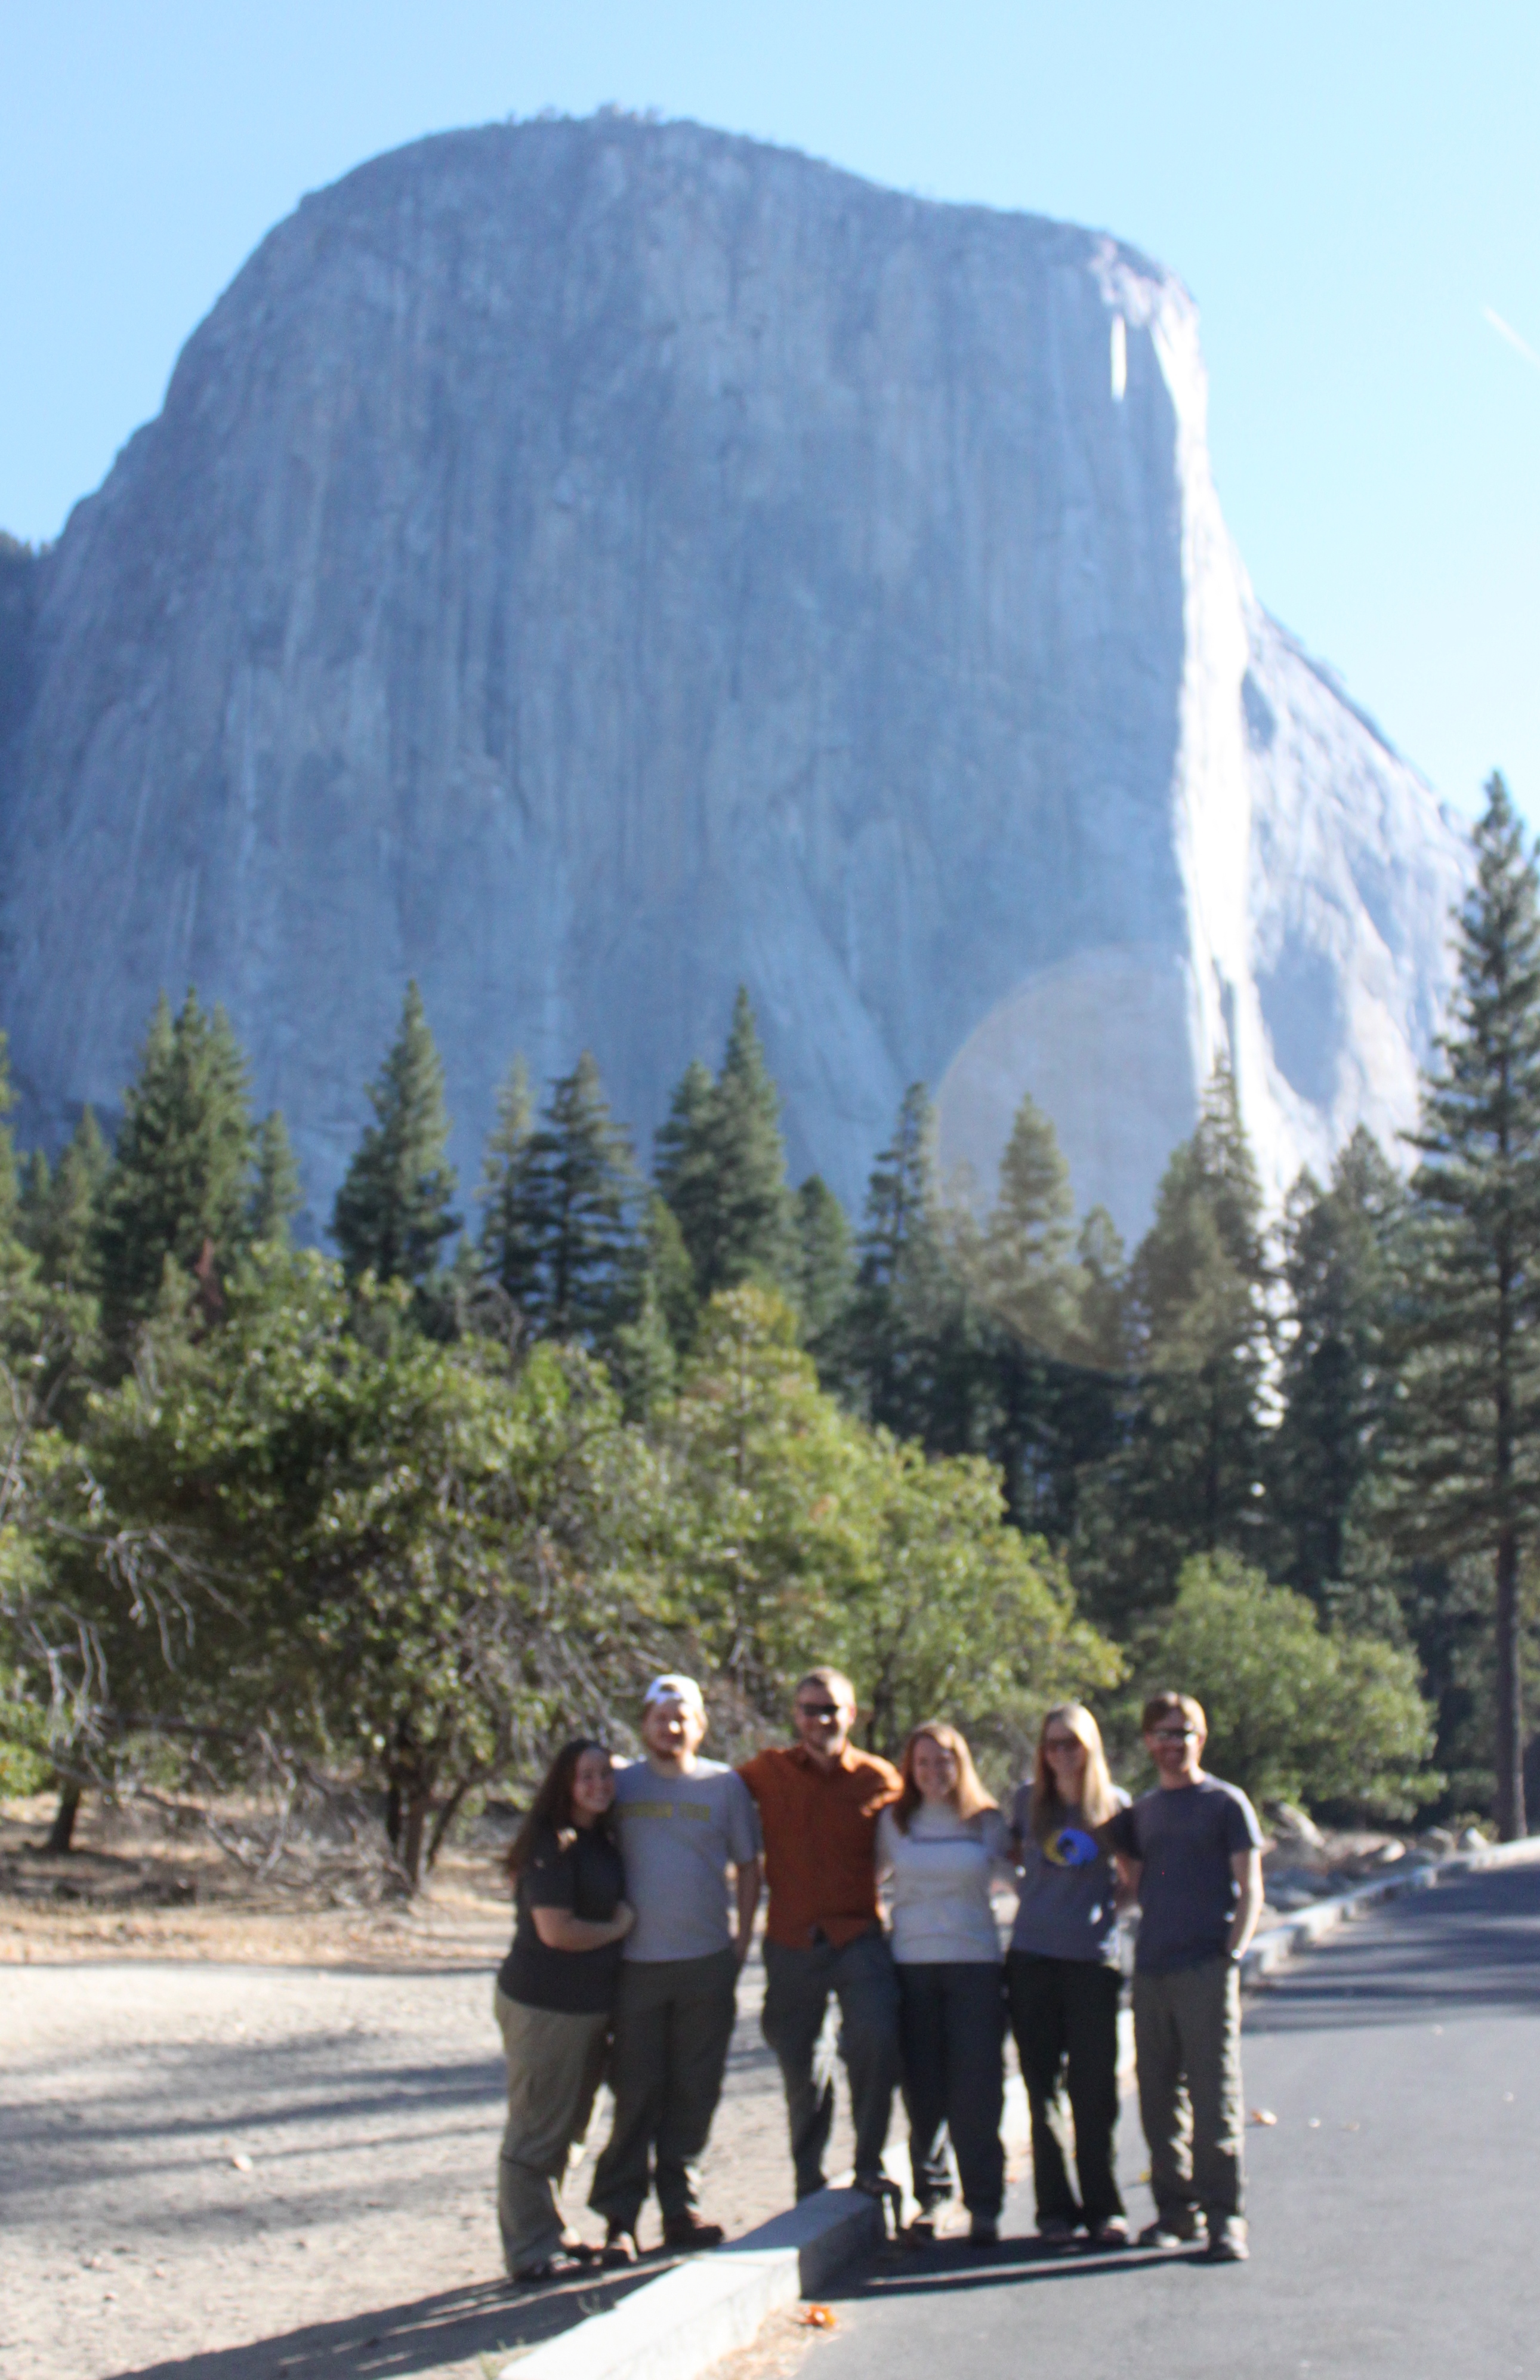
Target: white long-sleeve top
938	1877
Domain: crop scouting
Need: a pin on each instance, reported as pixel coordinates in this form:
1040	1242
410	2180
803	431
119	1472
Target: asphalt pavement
1394	2205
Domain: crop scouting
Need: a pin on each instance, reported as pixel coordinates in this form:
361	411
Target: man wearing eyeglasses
1191	1855
818	1801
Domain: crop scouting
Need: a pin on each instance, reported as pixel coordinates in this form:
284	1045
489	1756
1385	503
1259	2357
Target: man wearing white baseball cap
684	1822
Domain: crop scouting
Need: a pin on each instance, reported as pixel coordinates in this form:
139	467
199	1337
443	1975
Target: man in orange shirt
818	1802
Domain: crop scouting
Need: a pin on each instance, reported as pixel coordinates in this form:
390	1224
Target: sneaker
685	2231
620	2248
1167	2235
1113	2233
1227	2241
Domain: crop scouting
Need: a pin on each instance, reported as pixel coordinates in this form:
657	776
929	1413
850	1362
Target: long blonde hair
1098	1800
967	1796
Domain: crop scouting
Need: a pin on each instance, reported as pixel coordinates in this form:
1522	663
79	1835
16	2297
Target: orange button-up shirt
820	1827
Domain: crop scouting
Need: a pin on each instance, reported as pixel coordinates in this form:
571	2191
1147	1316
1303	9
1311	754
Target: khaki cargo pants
555	2063
1187	2040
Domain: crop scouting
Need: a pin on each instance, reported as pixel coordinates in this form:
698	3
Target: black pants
1064	2015
798	1987
952	2031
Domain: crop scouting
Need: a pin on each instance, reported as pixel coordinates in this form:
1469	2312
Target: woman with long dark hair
1062	1977
940	1844
553	1999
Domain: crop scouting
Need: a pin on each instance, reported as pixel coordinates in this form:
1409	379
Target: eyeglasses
817	1710
1173	1735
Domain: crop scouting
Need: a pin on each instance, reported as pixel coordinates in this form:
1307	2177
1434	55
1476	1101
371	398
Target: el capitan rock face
587	564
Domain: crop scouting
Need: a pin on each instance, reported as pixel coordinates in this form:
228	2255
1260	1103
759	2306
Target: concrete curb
674	2328
1271	1950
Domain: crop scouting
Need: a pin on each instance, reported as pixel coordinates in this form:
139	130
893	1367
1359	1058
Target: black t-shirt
1186	1835
584	1875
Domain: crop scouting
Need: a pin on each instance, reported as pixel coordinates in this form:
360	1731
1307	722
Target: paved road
1394	2206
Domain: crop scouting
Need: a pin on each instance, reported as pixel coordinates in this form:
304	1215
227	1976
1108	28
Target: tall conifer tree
276	1197
826	1275
1189	1478
181	1173
721	1167
572	1215
506	1254
1466	1448
1341	1249
63	1228
905	1296
395	1209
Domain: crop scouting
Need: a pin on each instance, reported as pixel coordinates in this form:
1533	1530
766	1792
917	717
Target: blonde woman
1061	1976
939	1845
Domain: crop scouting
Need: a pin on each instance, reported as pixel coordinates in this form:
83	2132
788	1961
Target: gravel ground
222	2172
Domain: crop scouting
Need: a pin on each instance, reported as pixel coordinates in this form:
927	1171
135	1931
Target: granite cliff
588	564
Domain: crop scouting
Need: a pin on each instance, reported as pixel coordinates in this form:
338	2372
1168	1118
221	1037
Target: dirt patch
239	2139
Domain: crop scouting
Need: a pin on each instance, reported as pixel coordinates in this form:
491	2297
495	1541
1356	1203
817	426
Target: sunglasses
817	1710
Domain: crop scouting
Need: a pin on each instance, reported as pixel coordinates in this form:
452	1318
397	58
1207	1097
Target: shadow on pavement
945	2271
489	2319
1468	1946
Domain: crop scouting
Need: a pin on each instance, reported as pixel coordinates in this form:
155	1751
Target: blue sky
1352	192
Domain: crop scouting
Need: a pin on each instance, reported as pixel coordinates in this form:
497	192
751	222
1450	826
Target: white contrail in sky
1505	331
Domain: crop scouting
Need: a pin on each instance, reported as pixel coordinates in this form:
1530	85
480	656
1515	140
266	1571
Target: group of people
636	1886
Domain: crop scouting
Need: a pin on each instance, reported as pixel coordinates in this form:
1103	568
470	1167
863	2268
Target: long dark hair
550	1811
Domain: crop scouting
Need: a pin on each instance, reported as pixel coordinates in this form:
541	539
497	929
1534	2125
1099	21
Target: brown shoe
684	2232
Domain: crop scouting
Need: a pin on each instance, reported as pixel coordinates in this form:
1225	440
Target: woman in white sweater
940	1845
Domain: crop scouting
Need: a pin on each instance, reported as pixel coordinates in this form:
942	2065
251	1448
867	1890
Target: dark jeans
1064	2015
673	2025
951	2020
798	1985
1187	2039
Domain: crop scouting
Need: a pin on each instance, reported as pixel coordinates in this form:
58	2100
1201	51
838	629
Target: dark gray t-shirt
1066	1908
1186	1837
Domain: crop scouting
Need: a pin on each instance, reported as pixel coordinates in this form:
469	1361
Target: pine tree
276	1197
721	1167
570	1215
1027	1275
393	1210
1341	1270
1466	1449
684	1164
1056	1400
506	1255
1189	1478
904	1310
826	1275
180	1179
68	1209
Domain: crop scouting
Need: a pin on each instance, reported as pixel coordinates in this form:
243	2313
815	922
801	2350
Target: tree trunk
1510	1818
418	1802
61	1834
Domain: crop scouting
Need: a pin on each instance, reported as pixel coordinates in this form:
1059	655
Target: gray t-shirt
678	1836
1186	1837
1066	1907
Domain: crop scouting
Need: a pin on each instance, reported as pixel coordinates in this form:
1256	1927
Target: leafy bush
1295	1712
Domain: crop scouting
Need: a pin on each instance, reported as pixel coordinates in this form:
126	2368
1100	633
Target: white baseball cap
672	1687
